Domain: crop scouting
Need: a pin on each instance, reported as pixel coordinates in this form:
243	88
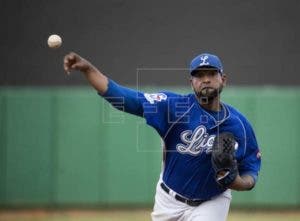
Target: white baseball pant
167	208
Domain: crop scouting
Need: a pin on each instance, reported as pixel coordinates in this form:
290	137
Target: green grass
135	215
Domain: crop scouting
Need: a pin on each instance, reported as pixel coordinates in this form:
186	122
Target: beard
208	94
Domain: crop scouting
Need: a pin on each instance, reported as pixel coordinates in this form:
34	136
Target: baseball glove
223	159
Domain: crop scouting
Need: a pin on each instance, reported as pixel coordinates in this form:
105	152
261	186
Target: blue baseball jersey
188	131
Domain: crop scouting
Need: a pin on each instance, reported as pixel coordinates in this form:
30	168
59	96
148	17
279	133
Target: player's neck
213	105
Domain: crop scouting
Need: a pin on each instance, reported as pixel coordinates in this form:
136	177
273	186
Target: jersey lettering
194	143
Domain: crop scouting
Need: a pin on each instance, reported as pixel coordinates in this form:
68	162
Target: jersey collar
216	123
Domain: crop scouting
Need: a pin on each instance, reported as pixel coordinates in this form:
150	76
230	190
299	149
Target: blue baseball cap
206	60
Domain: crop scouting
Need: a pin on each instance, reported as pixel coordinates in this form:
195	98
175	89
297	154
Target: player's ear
224	79
191	82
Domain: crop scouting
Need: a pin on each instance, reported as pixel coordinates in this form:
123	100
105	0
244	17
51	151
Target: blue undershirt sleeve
250	164
152	107
124	99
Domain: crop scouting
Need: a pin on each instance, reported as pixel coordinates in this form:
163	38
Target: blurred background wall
257	40
60	144
68	147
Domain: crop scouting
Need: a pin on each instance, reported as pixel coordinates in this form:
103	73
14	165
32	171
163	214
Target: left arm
230	173
242	183
249	166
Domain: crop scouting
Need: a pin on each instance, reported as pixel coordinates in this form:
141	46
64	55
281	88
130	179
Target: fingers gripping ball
223	159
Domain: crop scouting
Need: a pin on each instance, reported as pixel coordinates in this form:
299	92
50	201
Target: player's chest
194	137
194	141
193	133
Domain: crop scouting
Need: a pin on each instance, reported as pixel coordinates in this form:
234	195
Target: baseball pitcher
209	147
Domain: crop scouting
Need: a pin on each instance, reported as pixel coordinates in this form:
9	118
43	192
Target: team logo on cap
203	60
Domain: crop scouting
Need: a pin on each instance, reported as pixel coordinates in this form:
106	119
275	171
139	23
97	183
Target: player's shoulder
170	93
163	96
237	115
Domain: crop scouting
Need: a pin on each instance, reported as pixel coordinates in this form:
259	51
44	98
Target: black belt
181	198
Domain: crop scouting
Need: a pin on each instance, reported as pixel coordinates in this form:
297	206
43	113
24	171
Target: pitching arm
99	81
120	97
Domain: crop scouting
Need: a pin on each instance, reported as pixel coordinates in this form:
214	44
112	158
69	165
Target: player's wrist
89	69
227	177
242	183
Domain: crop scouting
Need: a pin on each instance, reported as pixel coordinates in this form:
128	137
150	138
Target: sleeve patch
258	154
151	98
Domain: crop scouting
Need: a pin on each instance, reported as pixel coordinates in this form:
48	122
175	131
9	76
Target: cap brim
204	68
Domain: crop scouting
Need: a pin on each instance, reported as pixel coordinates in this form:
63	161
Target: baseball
54	41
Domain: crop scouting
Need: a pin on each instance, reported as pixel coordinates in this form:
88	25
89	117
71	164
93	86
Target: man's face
207	83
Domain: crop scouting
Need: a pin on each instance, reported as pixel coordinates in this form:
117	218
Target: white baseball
54	41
